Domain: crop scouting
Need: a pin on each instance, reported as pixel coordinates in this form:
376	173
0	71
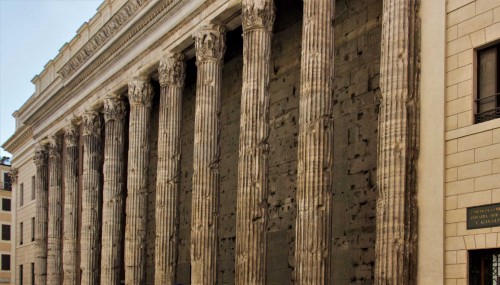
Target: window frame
33	188
21	194
477	119
21	233
2	262
10	204
10	232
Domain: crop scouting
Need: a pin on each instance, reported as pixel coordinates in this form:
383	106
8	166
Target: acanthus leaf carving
41	155
13	175
172	70
258	14
140	91
114	109
71	135
210	43
55	147
91	123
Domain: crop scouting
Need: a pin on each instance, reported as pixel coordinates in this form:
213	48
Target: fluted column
71	195
54	262
172	74
140	93
91	211
210	48
251	215
42	196
113	190
396	240
315	150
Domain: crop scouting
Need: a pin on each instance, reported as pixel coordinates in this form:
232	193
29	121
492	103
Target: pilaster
92	188
172	75
54	250
398	145
251	216
315	149
210	48
71	200
140	93
42	196
113	191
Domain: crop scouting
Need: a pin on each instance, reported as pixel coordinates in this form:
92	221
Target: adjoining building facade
5	222
264	142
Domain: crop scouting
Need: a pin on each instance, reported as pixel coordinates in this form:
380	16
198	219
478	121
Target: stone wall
357	59
356	91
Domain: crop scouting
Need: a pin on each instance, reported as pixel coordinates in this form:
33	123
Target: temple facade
264	142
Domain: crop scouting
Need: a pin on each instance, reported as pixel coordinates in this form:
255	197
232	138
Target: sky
31	34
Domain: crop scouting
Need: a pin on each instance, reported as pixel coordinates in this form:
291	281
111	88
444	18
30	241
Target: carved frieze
172	70
114	109
71	135
258	14
91	123
140	91
102	36
210	43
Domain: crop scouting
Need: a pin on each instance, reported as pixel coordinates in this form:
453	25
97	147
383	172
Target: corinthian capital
55	146
172	70
91	123
13	175
41	155
140	91
210	43
114	109
258	14
71	135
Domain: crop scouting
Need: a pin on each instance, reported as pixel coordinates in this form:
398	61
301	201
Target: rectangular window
33	229
21	194
6	262
484	267
5	232
7	184
32	187
32	273
21	233
21	275
6	204
488	84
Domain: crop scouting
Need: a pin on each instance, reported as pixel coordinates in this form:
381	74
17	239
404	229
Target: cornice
19	137
97	41
149	23
161	11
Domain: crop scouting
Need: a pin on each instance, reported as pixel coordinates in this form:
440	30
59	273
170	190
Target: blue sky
31	33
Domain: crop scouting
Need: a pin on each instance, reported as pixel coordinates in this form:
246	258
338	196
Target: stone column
42	196
54	240
114	190
396	241
140	93
172	74
90	241
251	216
71	195
210	48
315	150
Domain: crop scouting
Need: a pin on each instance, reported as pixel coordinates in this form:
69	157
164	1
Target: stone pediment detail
115	24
